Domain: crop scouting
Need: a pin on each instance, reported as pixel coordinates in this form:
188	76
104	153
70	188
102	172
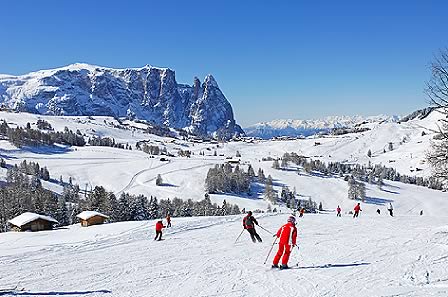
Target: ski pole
298	250
265	229
239	236
270	250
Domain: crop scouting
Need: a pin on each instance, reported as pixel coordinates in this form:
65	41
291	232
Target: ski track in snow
368	256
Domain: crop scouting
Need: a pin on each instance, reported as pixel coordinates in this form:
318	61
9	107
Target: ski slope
370	256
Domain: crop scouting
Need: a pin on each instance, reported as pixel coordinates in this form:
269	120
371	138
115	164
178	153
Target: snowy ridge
147	93
305	128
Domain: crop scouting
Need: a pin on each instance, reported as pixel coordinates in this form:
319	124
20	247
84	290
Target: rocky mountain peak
148	93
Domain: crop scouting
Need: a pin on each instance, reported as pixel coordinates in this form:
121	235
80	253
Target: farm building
89	218
29	221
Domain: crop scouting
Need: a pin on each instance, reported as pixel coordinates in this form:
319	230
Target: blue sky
272	59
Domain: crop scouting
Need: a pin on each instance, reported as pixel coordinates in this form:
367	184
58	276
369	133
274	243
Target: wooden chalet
89	218
29	221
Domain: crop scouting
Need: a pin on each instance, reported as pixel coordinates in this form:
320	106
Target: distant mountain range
295	128
146	93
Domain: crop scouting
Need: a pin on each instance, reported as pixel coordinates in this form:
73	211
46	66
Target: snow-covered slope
148	93
370	256
374	255
276	128
133	171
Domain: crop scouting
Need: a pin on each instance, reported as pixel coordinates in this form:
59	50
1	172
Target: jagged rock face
147	93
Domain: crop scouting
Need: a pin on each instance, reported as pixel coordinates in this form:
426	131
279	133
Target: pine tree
250	171
123	209
369	153
224	208
61	214
269	193
261	177
275	164
153	208
159	180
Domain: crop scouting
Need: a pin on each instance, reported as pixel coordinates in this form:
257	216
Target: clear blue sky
272	59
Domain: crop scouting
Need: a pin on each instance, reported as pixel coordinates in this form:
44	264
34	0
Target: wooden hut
89	218
29	221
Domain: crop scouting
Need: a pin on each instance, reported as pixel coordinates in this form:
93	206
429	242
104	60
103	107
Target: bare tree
437	86
437	91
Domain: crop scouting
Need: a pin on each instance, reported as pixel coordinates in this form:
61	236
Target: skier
301	212
391	210
288	236
357	209
249	223
159	227
421	212
338	210
378	211
168	220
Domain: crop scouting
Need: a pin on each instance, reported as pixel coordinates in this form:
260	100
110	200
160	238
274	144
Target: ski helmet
249	213
292	219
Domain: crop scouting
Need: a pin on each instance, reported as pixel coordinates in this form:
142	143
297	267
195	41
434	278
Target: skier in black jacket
249	223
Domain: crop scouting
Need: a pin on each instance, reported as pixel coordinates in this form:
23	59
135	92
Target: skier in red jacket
338	210
357	209
288	236
159	227
249	223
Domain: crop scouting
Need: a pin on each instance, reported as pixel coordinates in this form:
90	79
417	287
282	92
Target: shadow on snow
66	293
377	201
332	266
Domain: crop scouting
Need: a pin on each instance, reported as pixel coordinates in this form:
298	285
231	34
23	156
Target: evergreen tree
250	171
269	193
159	180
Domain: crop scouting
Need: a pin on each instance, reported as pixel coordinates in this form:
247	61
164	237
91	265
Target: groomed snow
87	214
27	217
369	256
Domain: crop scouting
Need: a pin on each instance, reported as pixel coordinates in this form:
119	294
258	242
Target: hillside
135	172
374	255
370	256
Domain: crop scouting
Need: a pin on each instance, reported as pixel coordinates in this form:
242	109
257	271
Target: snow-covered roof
87	214
27	217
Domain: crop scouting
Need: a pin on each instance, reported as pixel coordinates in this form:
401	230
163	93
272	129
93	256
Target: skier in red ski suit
288	236
357	209
159	227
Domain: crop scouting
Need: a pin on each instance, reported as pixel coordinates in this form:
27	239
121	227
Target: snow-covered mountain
147	93
276	128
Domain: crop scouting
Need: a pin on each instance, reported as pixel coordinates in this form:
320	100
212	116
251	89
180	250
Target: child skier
159	227
301	212
288	236
249	223
338	210
357	209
